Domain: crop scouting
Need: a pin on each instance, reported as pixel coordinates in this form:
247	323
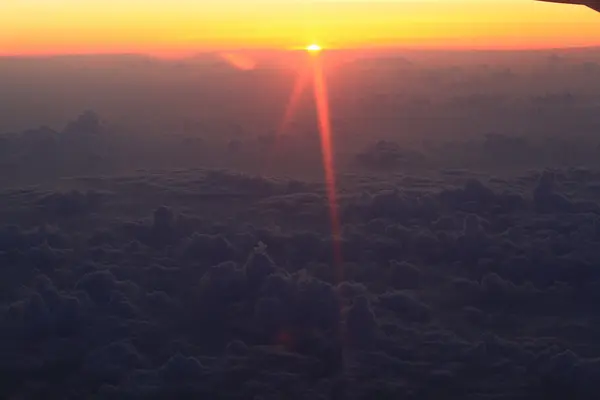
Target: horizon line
370	49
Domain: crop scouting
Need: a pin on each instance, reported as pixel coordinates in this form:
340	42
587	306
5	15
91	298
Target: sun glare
313	48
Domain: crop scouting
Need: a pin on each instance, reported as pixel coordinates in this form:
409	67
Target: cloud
197	281
87	123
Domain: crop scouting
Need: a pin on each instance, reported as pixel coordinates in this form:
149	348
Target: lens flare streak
290	109
321	99
325	132
299	86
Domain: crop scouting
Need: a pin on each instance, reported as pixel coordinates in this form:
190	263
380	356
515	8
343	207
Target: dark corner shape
593	4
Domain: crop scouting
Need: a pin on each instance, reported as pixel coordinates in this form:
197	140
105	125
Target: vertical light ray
290	109
321	97
299	86
324	119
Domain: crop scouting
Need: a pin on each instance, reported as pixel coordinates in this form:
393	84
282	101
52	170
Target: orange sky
181	26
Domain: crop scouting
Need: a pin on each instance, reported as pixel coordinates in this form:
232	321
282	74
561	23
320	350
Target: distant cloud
239	61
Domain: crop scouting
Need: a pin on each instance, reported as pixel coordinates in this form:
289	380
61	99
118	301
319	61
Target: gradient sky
174	26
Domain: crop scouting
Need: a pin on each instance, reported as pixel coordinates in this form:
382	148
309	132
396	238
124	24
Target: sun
313	48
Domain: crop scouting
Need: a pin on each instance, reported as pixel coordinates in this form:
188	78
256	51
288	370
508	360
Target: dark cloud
388	155
88	123
173	306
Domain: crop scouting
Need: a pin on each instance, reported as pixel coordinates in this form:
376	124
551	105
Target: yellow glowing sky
179	26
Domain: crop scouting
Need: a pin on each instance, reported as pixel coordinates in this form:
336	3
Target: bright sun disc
313	48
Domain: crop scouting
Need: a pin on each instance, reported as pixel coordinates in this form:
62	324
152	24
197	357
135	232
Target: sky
29	27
